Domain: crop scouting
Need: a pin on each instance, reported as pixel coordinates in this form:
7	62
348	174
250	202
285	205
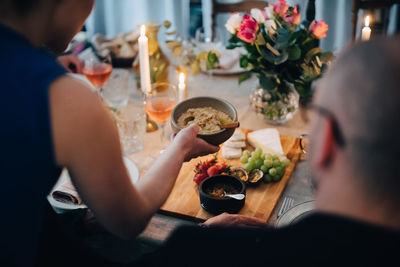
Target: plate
60	206
296	213
236	69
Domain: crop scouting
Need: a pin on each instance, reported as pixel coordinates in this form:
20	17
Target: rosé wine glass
98	70
159	104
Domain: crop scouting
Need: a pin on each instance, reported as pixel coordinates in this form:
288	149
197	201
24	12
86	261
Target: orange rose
292	17
318	28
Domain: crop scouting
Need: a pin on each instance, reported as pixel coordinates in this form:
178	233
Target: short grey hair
362	88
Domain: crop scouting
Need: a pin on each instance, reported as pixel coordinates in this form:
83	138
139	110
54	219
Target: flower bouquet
283	53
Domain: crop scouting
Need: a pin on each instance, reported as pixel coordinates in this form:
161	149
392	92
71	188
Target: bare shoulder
79	119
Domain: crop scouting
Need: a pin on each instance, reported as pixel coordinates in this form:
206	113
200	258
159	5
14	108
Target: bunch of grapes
272	166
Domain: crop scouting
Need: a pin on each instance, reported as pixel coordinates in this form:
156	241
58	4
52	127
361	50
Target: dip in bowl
206	112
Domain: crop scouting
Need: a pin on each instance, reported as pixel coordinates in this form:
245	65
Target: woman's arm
86	142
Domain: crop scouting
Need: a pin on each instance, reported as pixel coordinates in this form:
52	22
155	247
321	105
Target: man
354	138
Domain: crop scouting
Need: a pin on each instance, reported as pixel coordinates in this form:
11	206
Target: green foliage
290	54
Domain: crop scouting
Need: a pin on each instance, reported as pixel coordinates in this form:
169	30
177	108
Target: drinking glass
159	104
208	41
131	122
116	91
97	70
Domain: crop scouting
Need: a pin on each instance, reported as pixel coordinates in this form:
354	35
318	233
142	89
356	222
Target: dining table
299	187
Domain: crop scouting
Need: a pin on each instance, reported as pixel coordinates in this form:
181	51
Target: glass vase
275	107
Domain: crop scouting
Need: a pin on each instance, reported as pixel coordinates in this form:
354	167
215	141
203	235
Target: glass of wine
97	70
159	104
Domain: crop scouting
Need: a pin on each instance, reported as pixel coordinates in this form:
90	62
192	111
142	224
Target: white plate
295	213
60	206
236	69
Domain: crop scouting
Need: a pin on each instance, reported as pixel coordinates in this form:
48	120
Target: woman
51	120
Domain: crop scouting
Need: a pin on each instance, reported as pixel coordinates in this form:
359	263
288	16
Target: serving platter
184	199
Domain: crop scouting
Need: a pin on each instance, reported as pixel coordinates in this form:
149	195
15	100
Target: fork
287	204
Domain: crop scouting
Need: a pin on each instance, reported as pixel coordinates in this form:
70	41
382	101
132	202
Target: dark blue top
27	167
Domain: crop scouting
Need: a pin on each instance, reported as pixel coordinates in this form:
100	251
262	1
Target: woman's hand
191	145
71	63
226	219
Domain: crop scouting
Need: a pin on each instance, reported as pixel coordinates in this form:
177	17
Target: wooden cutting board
184	199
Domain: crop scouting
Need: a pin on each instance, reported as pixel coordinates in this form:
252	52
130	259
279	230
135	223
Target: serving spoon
230	125
235	196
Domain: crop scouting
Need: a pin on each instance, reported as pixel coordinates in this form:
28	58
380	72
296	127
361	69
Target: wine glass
208	40
97	70
159	104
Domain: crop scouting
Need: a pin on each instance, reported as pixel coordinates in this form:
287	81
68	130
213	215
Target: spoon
235	196
230	125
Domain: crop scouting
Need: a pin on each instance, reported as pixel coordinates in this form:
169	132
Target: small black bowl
216	205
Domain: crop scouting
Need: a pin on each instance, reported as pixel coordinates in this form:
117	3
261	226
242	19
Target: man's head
361	91
57	20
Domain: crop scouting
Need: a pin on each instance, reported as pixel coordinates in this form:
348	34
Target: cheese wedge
230	152
235	144
267	139
238	135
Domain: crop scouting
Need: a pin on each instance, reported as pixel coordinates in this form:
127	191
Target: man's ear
326	144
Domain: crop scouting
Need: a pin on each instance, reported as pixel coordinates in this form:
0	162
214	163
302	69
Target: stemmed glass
97	70
159	104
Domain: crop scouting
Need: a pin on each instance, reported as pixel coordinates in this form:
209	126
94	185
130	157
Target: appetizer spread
266	163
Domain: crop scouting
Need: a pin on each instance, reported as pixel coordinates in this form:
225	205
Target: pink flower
280	7
248	29
318	28
292	17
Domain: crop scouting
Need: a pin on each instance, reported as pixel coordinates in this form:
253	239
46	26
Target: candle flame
143	30
181	78
366	22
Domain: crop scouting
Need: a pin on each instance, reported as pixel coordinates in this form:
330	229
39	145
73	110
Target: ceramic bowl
206	101
216	205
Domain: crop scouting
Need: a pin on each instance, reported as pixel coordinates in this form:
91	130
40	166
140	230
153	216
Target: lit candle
144	61
366	30
182	87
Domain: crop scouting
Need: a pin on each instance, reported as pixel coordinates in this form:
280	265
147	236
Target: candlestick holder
151	126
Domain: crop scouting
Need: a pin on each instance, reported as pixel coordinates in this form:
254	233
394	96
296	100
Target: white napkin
229	57
65	192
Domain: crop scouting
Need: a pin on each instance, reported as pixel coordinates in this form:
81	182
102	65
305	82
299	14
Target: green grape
244	159
276	163
252	160
262	157
286	162
259	162
275	157
247	167
253	153
268	157
267	178
258	152
268	163
276	178
272	172
280	170
246	152
264	168
250	165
